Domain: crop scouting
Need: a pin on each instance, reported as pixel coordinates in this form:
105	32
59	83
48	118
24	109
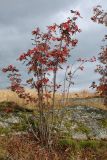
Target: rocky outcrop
80	122
84	122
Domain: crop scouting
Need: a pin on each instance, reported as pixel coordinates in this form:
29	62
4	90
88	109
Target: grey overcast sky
19	17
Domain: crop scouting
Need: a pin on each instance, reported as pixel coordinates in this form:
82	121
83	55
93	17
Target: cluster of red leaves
10	68
8	110
41	82
93	59
43	58
36	31
99	88
15	79
102	88
99	15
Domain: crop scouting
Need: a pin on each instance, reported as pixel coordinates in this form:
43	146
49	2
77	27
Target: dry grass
20	147
25	148
8	95
82	94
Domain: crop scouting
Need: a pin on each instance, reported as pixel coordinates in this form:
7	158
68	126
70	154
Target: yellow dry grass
8	95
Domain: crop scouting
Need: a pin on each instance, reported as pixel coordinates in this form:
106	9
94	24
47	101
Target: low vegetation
18	147
17	141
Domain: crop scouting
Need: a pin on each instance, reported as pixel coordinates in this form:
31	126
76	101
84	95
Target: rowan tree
100	17
51	50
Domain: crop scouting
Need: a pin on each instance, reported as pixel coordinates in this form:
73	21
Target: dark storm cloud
19	17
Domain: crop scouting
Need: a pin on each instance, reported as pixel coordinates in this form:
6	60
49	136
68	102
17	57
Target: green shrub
92	144
19	127
4	130
82	128
68	142
103	123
